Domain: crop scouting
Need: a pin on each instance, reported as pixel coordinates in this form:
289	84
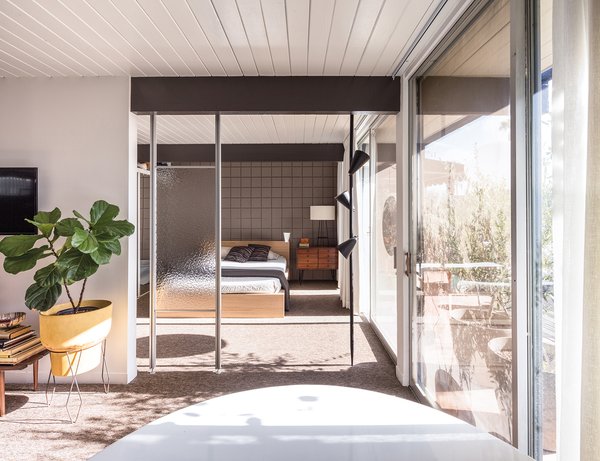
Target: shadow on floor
178	345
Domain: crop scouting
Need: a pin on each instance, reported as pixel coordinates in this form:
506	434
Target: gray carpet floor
254	356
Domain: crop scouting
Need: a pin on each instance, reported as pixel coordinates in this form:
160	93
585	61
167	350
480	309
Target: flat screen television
18	200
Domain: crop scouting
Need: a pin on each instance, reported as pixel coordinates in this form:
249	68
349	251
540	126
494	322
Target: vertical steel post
218	298
152	313
351	232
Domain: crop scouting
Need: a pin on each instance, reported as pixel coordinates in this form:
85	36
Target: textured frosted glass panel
185	239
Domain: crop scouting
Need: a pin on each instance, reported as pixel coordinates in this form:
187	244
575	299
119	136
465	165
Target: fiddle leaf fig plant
76	247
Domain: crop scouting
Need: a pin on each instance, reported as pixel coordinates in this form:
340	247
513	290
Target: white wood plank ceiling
206	37
246	129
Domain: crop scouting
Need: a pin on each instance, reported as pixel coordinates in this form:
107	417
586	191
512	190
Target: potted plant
76	247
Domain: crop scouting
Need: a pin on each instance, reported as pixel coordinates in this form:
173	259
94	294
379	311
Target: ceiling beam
265	95
245	152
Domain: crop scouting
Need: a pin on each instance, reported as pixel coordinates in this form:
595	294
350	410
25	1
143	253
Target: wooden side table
316	258
33	360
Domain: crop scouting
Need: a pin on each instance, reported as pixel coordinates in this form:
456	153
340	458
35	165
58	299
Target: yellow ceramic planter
79	334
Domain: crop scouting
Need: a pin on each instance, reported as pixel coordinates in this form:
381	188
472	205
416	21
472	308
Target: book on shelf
21	346
14	332
22	355
5	343
304	243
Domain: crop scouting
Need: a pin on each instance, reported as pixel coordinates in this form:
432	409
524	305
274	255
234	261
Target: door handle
407	264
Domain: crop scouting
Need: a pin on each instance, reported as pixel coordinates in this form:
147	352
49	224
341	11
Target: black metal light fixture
345	248
344	199
358	160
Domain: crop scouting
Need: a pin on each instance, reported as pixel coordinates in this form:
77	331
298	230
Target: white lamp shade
322	213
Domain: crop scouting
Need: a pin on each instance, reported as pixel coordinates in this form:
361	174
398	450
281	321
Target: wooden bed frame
244	305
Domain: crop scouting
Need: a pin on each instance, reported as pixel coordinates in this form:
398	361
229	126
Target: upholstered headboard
278	246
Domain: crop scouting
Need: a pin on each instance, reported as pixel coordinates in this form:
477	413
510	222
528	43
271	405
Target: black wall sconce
357	161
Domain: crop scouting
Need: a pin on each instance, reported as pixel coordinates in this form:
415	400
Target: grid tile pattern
144	216
261	200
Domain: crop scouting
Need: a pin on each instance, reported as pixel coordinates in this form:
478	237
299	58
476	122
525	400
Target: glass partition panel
384	306
185	230
185	238
461	311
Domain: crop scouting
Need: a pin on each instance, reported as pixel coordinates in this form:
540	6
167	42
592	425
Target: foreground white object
309	423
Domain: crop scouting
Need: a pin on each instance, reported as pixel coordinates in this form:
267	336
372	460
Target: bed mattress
250	285
239	284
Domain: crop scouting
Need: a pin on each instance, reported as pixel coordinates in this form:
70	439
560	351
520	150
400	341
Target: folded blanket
262	273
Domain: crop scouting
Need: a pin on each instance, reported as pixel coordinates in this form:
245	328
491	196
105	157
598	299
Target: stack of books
303	243
17	344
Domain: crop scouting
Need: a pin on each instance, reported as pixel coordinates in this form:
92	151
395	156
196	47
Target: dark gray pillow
259	252
239	254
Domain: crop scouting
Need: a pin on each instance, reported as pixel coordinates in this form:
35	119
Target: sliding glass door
461	317
362	226
384	311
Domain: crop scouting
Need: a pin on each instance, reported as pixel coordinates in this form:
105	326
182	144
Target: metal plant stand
74	383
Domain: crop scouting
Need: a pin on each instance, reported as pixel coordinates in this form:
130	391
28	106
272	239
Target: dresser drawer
316	258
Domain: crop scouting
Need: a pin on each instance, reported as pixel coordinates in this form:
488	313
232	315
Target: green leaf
76	265
117	228
80	216
47	217
84	241
45	228
104	236
26	261
114	246
42	298
67	226
103	212
16	245
48	276
45	221
101	255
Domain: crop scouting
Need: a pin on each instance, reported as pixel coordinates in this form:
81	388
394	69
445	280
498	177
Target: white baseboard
91	377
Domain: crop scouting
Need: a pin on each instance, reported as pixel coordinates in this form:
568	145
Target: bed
250	289
256	289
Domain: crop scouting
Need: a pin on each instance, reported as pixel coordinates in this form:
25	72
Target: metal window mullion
152	313
521	251
218	297
534	237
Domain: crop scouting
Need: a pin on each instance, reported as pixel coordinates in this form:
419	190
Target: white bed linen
250	285
279	263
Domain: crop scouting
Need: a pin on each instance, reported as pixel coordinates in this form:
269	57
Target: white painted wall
77	132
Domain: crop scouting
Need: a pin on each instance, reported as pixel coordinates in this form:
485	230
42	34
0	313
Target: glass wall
461	320
384	303
543	191
362	228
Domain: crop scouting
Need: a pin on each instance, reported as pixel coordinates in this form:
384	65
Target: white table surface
309	423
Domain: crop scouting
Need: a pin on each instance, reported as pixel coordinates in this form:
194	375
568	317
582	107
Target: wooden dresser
316	258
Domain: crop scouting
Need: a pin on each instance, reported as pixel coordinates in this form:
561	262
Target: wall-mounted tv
18	200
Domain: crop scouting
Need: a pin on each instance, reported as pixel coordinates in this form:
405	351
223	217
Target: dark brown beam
464	95
274	95
245	152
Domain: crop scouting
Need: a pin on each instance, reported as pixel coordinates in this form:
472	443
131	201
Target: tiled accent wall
144	217
261	200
